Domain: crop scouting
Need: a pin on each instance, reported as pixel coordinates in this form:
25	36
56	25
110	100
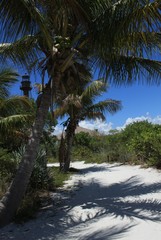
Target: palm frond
138	44
142	14
128	69
21	52
14	122
133	29
127	17
8	76
62	13
20	17
14	105
93	115
111	106
94	89
72	103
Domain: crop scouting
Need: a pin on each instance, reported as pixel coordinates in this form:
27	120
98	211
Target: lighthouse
26	85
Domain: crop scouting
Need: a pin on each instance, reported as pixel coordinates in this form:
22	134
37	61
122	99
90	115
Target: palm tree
52	34
15	111
80	107
7	77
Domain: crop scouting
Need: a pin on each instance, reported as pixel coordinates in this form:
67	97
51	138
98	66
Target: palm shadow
101	168
112	199
111	233
91	203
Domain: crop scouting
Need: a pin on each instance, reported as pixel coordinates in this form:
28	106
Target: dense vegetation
138	143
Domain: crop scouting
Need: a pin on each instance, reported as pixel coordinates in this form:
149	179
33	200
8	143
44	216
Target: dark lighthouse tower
25	85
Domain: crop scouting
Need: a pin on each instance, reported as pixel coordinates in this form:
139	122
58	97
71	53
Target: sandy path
102	202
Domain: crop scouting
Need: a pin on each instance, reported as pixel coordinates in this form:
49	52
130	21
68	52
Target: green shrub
95	142
138	143
40	178
59	177
7	169
7	164
82	139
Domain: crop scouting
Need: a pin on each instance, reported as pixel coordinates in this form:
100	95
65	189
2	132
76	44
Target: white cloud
104	127
156	120
147	117
101	126
58	129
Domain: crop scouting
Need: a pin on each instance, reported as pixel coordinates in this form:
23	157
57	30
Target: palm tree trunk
62	153
12	199
68	153
69	141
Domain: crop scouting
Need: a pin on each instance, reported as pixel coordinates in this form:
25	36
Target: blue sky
140	102
137	101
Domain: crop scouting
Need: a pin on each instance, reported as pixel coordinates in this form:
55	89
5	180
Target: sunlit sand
101	202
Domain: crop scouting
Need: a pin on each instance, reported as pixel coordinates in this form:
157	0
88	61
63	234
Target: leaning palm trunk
69	142
12	199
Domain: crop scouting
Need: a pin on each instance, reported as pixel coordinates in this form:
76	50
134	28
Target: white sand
102	202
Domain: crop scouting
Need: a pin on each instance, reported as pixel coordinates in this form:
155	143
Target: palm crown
118	37
84	105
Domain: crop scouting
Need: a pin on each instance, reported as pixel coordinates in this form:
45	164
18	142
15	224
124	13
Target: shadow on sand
88	205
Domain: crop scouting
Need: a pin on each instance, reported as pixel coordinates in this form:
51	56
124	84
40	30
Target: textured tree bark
62	153
12	199
69	142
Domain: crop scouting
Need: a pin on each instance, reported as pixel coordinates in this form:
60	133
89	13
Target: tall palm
53	33
79	107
